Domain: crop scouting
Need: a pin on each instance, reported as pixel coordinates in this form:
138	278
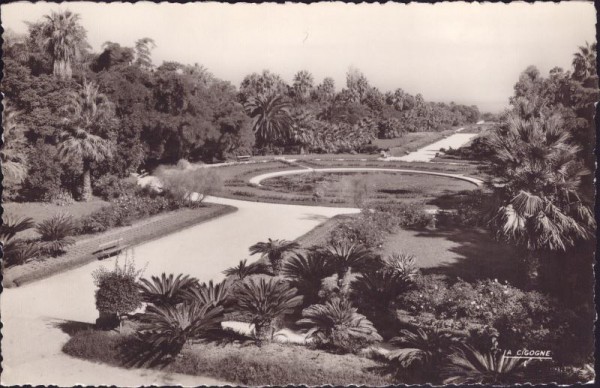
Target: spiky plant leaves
55	233
16	251
264	301
469	366
274	250
216	295
421	348
338	325
166	329
306	273
166	290
242	270
12	225
345	256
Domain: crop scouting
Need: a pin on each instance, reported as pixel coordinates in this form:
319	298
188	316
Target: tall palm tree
303	84
64	39
537	178
87	113
14	163
584	62
274	250
272	119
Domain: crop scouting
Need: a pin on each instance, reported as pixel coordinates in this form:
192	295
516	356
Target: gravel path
32	313
427	153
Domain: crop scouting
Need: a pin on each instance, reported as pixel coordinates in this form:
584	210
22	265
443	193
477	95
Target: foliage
118	291
242	270
12	155
344	257
272	120
17	251
306	273
109	187
55	233
274	250
469	366
264	301
337	325
13	225
166	290
181	185
167	328
422	352
216	295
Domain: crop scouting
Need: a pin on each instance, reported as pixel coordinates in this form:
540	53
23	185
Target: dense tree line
80	114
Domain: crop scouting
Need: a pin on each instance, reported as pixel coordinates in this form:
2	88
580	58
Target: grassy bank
139	232
238	363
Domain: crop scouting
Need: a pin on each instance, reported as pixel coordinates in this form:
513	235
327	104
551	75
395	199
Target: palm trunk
532	266
263	331
86	188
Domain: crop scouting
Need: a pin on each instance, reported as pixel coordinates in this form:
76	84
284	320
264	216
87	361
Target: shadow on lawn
481	257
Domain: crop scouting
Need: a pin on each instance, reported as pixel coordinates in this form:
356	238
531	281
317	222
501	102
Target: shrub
110	187
55	233
181	185
117	292
166	290
264	302
16	251
337	325
43	181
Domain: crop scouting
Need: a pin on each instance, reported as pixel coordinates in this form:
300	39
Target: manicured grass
239	363
40	211
410	141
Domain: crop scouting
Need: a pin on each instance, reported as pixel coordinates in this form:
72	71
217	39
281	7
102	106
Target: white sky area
469	53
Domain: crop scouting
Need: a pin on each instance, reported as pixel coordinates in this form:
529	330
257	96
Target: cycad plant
242	270
166	329
338	325
469	366
16	251
216	295
265	301
55	234
166	290
306	272
12	225
422	352
274	251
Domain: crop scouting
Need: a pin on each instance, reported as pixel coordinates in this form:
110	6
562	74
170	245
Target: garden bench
109	248
243	157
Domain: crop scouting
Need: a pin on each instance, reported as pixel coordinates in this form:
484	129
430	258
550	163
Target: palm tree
14	163
303	84
272	119
242	270
87	113
306	273
339	325
264	302
274	250
64	39
469	366
166	290
584	62
537	177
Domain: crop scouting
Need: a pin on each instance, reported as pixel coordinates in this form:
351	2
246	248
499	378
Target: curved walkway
256	180
32	314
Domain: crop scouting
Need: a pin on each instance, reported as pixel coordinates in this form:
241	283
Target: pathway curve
256	180
31	314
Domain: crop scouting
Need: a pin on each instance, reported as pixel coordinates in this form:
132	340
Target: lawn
241	363
342	187
40	211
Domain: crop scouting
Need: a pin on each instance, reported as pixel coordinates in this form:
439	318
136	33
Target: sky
469	53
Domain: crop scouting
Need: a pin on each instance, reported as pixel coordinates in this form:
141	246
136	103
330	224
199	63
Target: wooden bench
109	248
243	157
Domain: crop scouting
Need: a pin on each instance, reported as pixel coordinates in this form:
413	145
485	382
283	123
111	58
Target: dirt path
32	314
427	153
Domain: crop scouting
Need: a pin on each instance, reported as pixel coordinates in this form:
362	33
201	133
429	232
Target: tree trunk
532	266
263	331
86	186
